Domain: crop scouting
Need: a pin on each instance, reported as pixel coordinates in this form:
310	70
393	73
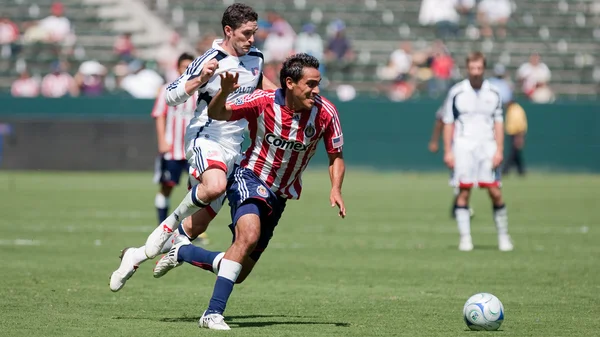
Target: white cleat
466	244
157	239
125	271
169	261
504	243
213	322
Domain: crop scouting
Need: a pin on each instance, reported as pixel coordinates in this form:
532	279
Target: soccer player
286	126
473	146
171	122
438	129
212	147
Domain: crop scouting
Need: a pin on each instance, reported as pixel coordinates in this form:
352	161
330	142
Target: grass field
391	268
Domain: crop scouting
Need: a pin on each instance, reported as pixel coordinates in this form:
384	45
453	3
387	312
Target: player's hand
229	82
497	160
208	70
433	147
163	147
335	198
449	160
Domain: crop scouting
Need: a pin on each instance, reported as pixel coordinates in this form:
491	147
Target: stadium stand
565	34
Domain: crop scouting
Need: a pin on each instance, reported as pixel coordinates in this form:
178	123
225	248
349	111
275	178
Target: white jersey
249	67
473	112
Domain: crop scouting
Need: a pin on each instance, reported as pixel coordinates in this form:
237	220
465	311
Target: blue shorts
245	187
168	172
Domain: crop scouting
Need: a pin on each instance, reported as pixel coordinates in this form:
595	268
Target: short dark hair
476	56
183	57
294	66
238	14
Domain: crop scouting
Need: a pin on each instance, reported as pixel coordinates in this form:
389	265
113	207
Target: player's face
306	89
183	66
476	69
242	38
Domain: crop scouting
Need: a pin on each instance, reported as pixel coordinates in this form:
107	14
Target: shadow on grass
235	320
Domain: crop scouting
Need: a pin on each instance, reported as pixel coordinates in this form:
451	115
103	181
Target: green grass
391	268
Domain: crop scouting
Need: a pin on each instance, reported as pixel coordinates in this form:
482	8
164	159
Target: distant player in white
473	146
213	147
438	130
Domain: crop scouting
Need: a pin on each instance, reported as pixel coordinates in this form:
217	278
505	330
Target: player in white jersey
212	147
438	128
473	146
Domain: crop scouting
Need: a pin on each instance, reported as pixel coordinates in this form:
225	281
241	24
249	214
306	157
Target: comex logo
285	144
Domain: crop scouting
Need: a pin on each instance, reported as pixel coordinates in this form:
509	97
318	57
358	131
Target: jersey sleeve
448	108
498	116
333	135
176	94
160	105
250	106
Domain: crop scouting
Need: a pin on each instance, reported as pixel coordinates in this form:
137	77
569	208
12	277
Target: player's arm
448	130
218	108
438	127
337	170
498	135
196	75
159	113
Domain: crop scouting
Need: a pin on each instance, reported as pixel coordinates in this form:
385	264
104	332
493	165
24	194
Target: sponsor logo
262	191
239	101
285	144
309	131
244	90
255	71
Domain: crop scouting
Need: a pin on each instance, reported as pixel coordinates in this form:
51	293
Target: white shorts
473	164
204	153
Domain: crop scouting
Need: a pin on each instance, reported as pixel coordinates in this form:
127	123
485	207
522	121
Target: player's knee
166	190
215	186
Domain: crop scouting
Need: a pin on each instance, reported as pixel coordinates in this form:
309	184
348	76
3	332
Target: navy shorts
168	172
245	187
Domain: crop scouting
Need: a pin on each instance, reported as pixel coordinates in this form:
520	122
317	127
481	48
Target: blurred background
64	61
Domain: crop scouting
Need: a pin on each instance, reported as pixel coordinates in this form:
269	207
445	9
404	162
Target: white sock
463	219
216	262
230	269
501	220
186	208
139	255
160	201
169	244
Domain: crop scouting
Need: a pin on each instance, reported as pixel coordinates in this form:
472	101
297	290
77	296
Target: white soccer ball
483	311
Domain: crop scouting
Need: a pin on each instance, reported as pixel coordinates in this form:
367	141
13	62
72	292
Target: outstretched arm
337	170
218	108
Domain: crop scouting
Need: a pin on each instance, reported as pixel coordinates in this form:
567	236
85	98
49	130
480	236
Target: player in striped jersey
171	122
285	126
212	147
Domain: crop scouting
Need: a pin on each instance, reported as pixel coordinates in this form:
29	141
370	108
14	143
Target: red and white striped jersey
177	119
25	87
283	141
57	85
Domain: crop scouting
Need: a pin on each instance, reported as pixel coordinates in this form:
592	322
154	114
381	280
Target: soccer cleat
125	271
505	243
213	322
169	261
157	239
466	244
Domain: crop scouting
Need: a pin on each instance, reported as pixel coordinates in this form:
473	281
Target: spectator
442	66
501	82
167	57
124	47
265	28
57	26
58	83
534	75
141	82
310	42
90	78
9	35
494	13
205	43
279	44
400	63
442	14
25	86
338	46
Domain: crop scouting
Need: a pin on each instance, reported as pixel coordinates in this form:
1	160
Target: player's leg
209	165
464	179
170	174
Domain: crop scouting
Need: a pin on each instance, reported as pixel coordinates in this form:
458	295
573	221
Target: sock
139	256
162	206
200	257
188	206
228	274
463	219
181	231
501	219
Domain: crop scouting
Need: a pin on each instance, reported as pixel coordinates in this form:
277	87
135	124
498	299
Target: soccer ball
483	311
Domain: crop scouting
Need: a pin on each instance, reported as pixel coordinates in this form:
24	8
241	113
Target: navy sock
218	301
181	231
197	256
162	214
